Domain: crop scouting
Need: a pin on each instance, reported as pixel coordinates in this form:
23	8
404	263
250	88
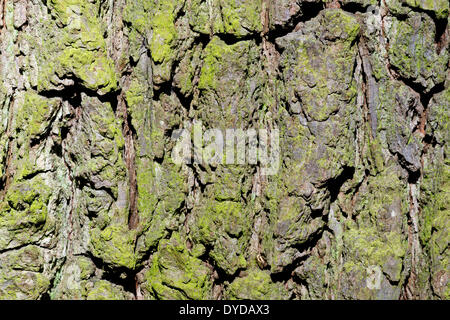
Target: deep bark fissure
5	180
121	276
370	90
71	178
3	6
308	11
130	161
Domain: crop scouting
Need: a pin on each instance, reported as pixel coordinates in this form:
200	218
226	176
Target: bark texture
93	207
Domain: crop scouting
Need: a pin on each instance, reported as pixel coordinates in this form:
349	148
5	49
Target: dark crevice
304	250
220	277
357	7
334	185
308	11
2	251
201	38
430	140
81	182
231	39
45	296
316	213
129	134
393	283
5	180
33	174
440	23
441	34
163	88
124	277
425	98
121	277
288	271
413	177
71	94
418	88
196	167
369	88
185	101
3	3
